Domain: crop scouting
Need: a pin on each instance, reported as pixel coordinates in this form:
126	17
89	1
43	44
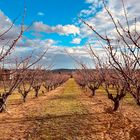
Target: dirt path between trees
68	113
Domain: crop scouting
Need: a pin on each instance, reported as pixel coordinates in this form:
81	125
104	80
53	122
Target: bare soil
68	113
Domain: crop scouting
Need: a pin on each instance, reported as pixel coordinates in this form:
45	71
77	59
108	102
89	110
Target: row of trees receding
22	75
32	81
118	71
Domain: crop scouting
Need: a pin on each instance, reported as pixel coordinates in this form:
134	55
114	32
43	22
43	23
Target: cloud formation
89	1
101	21
5	24
92	9
57	55
40	14
76	41
59	29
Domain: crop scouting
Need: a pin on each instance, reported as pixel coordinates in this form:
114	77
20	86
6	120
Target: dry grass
69	114
128	99
57	115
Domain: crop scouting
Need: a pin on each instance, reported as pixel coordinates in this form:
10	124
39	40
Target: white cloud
90	1
101	21
60	29
55	55
40	14
5	24
59	56
76	41
92	9
36	43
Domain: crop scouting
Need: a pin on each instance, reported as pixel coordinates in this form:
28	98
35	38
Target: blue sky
56	25
50	12
62	11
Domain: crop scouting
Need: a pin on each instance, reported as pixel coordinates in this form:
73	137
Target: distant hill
64	70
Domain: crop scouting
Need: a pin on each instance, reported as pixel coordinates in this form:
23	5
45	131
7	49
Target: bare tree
14	74
26	84
38	80
80	79
123	57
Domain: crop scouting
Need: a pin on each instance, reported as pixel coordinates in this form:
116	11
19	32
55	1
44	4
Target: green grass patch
62	114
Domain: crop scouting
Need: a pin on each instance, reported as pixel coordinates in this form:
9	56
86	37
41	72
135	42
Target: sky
55	25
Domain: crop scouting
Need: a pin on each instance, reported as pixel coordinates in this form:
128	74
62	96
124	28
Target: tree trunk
51	88
3	99
93	92
2	105
116	105
138	102
36	93
24	97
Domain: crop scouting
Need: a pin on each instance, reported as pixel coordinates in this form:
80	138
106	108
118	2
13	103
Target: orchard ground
69	113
